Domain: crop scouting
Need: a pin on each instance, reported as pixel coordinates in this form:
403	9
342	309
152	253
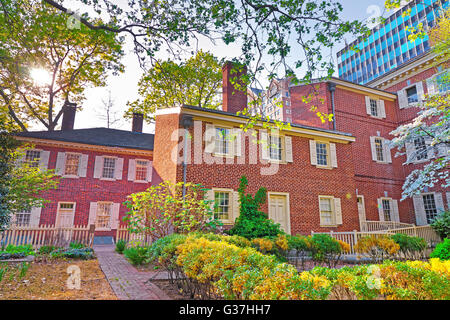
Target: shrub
26	249
442	250
251	222
120	246
410	247
136	255
8	255
299	244
441	224
324	249
76	245
47	249
377	248
83	253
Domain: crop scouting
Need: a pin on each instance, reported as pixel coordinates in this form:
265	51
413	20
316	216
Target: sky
124	87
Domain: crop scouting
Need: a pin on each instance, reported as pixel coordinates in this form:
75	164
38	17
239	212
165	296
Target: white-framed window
72	164
373	107
275	147
322	154
23	219
421	148
108	169
411	95
429	204
222	141
387	214
32	157
103	217
330	211
141	170
222	205
379	149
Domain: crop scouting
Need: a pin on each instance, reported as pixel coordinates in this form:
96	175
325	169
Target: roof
97	136
294	125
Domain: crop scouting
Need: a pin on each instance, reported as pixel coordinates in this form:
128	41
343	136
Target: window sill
107	179
70	176
376	117
141	181
329	226
220	155
324	167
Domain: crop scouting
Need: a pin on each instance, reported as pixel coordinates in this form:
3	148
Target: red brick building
320	176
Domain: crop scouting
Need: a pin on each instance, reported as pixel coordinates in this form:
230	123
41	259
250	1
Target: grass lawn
47	281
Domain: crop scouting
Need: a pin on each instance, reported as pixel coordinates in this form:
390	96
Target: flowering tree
162	209
432	125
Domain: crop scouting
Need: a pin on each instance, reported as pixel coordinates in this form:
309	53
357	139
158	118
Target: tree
168	84
46	62
162	209
21	183
431	127
107	113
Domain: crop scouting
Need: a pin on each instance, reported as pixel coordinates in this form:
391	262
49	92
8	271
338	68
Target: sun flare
41	77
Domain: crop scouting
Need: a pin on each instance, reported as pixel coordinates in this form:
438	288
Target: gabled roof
97	136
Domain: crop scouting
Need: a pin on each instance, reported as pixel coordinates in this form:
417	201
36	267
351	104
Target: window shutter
60	163
396	216
115	216
98	166
410	149
237	142
381	108
420	94
210	197
431	86
264	144
338	210
419	210
313	152
43	161
368	105
92	213
402	99
131	169
210	136
288	148
387	151
373	149
236	206
118	170
333	155
82	169
380	210
439	202
149	171
35	217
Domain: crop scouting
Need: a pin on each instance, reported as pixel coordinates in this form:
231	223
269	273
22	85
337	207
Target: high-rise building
388	47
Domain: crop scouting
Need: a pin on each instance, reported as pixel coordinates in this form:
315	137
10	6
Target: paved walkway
127	282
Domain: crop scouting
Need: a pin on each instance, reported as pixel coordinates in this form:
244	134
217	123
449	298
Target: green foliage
47	249
251	222
23	268
23	250
442	250
83	253
324	248
410	247
441	224
169	84
136	255
76	245
162	210
120	246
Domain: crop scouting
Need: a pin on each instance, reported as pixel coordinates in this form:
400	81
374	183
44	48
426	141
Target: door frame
58	213
288	211
364	209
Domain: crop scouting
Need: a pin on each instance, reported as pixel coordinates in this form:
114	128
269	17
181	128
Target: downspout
186	122
332	88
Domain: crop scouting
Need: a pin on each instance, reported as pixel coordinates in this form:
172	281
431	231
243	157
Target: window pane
379	149
421	148
321	149
72	162
108	167
141	170
326	211
430	207
222	144
32	157
222	205
411	93
386	210
373	108
103	215
275	147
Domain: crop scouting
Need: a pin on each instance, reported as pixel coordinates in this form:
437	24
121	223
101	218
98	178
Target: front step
101	240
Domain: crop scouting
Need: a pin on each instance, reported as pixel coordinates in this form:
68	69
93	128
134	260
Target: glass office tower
388	46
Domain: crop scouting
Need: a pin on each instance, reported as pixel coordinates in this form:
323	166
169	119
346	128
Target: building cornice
83	146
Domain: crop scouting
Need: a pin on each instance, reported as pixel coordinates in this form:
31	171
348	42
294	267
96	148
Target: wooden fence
369	226
46	235
124	234
352	237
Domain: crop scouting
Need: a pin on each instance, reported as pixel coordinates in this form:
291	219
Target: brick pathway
127	282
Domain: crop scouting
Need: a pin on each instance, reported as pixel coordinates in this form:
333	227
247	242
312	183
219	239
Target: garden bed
46	280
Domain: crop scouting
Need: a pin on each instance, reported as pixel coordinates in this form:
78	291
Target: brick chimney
234	100
138	121
68	116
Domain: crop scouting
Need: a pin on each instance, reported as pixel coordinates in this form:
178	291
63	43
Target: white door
64	220
278	211
361	211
